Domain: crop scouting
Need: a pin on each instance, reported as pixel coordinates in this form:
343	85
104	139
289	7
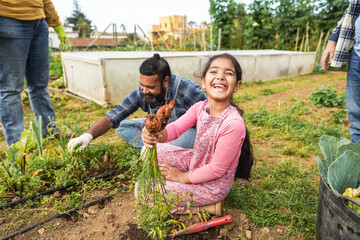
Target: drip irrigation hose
105	175
68	212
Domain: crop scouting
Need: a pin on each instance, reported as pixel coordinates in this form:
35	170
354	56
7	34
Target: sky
145	13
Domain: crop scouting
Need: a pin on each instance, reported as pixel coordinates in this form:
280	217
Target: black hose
105	175
68	212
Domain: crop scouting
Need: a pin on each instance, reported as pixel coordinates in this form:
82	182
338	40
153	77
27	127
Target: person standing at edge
157	87
24	51
343	46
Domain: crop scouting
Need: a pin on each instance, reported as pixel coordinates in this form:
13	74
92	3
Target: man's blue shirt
184	91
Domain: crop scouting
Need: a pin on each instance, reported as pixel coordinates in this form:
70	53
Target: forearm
100	127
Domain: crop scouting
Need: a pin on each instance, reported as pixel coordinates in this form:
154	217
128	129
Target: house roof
84	42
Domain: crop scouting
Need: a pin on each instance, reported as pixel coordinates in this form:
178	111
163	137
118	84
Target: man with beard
157	87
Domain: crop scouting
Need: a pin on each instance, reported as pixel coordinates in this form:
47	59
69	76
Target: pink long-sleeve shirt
229	140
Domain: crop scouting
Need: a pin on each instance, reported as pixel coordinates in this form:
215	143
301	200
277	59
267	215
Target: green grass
280	194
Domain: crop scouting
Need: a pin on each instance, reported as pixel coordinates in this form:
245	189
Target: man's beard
151	99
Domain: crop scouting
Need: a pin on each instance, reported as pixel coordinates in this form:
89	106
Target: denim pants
24	52
130	131
353	96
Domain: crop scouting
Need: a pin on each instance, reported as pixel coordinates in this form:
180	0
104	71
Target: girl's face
220	80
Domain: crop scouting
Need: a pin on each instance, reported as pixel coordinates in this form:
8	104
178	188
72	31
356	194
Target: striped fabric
344	33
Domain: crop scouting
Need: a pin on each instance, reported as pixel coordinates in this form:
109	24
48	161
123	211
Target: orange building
170	26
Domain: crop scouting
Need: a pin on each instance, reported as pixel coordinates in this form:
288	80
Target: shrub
326	97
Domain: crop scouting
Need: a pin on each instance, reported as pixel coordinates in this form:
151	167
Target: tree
238	36
78	21
330	12
223	13
259	29
290	16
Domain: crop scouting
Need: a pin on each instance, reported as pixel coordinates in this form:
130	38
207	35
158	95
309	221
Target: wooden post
135	44
211	40
163	41
150	42
297	39
319	43
180	37
219	40
302	42
306	48
325	40
203	37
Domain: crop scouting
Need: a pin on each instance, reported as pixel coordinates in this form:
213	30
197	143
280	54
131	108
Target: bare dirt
115	217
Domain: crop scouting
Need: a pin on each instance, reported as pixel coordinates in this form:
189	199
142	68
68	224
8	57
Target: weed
243	98
266	92
327	97
338	117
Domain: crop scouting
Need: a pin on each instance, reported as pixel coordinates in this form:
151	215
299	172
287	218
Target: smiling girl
222	149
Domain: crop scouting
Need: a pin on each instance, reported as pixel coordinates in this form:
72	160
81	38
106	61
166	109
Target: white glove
84	140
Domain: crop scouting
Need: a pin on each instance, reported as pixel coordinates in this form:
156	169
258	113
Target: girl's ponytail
246	158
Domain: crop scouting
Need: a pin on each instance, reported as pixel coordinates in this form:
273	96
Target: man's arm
331	45
100	127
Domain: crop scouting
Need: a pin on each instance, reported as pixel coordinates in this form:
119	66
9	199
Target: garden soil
115	218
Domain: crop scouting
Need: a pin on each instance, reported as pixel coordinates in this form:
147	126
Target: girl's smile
220	80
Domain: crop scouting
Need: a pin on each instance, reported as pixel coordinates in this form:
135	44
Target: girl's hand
174	174
149	139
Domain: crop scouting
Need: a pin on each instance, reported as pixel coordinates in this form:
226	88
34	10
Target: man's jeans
353	96
130	131
24	51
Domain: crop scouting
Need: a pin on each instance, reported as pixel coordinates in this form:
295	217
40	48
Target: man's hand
84	140
174	174
329	51
64	41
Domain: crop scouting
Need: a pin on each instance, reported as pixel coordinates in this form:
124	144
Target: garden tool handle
350	199
201	226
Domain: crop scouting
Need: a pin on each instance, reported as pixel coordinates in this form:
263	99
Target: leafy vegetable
341	165
329	147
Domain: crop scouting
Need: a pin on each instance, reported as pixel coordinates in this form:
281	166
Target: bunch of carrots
151	185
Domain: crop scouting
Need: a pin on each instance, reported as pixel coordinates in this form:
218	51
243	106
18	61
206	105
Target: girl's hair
246	158
155	65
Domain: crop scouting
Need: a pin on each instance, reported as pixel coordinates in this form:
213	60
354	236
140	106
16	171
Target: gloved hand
84	140
64	41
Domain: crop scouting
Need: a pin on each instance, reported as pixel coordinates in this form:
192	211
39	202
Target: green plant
16	169
36	129
327	97
58	83
55	65
338	117
243	98
266	92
